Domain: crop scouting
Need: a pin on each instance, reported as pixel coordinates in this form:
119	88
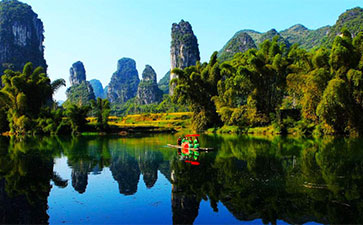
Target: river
139	180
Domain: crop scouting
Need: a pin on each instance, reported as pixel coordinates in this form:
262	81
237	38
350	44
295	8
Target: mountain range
306	38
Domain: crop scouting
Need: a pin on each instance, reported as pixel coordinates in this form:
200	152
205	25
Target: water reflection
25	174
293	180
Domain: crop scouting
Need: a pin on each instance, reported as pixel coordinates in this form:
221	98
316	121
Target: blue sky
99	32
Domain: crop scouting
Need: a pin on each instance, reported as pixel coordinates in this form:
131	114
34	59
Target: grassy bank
175	123
267	130
147	122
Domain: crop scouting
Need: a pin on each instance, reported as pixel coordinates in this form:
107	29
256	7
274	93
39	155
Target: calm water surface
123	180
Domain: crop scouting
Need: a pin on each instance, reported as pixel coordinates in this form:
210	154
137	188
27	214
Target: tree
195	87
253	85
102	110
334	108
24	94
340	108
77	116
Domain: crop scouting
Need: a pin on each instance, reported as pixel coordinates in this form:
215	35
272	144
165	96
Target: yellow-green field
176	121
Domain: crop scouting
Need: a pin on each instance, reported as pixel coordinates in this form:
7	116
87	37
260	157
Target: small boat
194	149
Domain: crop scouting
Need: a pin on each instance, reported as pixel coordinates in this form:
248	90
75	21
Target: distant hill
98	89
240	42
352	19
255	35
295	34
306	38
269	35
164	83
247	39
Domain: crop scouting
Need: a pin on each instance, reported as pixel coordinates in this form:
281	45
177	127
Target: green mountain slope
352	19
164	83
240	42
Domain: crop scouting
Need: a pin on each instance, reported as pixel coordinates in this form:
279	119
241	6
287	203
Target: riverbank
145	123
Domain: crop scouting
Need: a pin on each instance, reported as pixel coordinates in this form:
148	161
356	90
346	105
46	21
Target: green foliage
81	94
26	100
195	87
351	20
133	107
24	95
343	55
309	39
77	117
4	124
333	108
101	109
253	85
240	42
305	38
326	85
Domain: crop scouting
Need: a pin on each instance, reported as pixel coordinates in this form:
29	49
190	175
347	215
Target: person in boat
191	142
179	141
184	140
196	142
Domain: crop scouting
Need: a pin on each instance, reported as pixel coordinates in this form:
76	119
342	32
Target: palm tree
102	111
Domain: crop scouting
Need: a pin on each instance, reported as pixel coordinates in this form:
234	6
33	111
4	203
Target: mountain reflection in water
264	180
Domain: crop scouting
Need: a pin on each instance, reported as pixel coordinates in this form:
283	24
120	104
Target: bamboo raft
194	149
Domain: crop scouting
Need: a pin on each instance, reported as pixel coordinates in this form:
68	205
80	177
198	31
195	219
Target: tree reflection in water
26	169
294	180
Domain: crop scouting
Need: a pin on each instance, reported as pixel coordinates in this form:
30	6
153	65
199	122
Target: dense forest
318	91
26	106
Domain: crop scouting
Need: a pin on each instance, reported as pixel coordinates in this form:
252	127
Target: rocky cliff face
124	82
97	88
149	74
148	91
184	49
81	91
21	36
240	42
77	73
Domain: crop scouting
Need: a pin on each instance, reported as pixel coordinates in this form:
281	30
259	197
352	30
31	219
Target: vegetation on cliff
124	82
80	94
352	20
306	38
148	91
21	36
240	42
81	91
184	50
